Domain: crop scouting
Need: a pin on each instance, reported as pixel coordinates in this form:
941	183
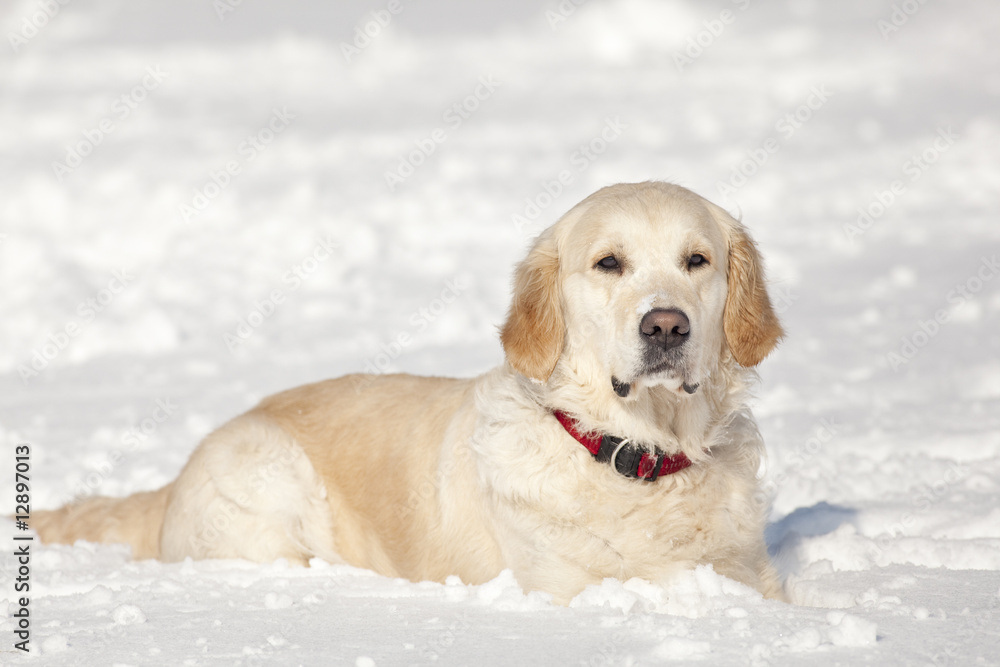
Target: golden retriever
614	441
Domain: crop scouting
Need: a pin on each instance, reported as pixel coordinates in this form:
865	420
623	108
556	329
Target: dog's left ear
532	337
751	326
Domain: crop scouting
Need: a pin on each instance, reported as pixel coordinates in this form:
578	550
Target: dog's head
642	285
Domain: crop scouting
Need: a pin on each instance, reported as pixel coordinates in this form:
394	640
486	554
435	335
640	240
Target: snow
870	179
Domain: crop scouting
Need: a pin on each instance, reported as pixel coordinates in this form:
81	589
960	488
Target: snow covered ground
174	174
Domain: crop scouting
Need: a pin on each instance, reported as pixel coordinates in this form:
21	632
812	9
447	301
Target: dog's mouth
666	366
659	373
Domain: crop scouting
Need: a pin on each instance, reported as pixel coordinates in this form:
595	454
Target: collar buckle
624	456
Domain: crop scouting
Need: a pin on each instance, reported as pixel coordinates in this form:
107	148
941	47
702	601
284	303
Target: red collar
624	457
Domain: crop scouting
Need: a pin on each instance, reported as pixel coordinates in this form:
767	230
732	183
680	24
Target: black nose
665	328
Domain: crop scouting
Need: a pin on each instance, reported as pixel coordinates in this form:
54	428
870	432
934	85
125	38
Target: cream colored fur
429	477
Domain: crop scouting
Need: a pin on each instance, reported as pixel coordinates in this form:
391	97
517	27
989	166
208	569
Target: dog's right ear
532	337
751	325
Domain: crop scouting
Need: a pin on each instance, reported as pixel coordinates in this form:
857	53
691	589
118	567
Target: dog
614	441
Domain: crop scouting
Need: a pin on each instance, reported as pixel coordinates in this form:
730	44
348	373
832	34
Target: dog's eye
696	260
609	263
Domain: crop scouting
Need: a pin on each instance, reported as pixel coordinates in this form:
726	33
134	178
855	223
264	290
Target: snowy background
859	140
